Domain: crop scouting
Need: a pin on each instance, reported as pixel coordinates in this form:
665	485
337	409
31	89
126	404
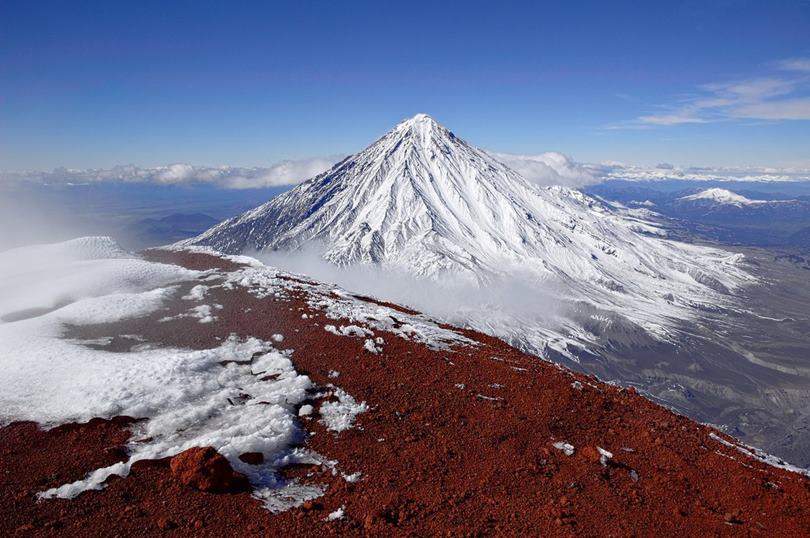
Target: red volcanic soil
456	443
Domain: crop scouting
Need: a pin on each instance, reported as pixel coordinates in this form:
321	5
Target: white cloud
792	109
545	169
671	119
781	96
283	173
794	64
748	90
550	168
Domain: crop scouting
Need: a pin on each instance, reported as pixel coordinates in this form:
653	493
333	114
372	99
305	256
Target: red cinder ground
435	458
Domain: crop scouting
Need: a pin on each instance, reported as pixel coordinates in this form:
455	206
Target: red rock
166	524
252	458
590	453
205	469
369	522
309	506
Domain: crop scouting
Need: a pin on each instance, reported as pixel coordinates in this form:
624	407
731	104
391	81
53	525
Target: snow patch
759	455
188	398
191	399
41	278
604	456
371	346
340	416
566	448
352	478
263	281
340	513
197	293
202	313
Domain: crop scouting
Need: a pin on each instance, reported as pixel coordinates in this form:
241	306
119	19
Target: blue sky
85	84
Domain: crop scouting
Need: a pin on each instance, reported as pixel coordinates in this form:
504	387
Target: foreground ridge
465	436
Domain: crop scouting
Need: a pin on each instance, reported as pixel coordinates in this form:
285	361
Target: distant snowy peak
724	197
721	197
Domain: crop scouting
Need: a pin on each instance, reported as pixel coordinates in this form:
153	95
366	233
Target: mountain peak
721	197
424	201
420	127
420	118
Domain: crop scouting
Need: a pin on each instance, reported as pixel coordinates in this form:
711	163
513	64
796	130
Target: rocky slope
469	438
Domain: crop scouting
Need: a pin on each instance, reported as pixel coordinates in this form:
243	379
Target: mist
43	263
549	169
520	309
284	173
25	220
137	215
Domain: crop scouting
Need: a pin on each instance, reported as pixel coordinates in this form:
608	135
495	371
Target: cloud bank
543	169
553	168
229	177
550	168
665	171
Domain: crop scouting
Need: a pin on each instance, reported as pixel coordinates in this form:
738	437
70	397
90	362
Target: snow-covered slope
422	200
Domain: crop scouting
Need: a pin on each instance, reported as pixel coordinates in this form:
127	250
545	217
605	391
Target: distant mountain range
734	217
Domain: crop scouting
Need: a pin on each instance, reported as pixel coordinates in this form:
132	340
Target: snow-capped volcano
424	201
550	270
721	197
